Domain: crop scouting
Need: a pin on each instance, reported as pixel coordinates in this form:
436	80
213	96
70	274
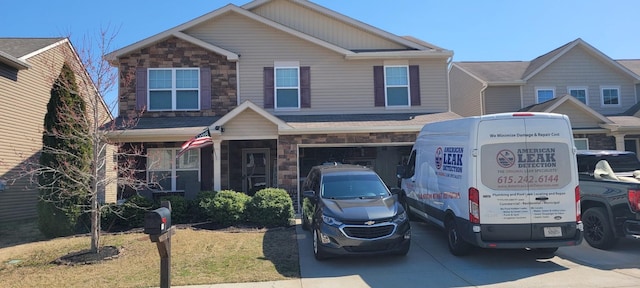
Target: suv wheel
317	248
597	230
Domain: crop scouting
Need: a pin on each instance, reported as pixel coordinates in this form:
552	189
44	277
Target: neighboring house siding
578	118
250	123
337	86
176	53
502	99
578	68
323	27
466	93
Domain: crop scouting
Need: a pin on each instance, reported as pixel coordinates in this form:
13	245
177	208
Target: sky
487	30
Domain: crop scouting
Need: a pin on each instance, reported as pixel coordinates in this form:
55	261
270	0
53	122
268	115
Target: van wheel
457	246
317	248
597	230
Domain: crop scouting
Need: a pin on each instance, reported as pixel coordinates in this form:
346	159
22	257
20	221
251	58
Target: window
610	96
581	143
579	93
544	94
174	89
287	85
396	81
170	174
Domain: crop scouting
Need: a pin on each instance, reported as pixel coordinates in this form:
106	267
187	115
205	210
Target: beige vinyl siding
322	27
250	123
499	99
24	105
337	86
579	68
578	117
466	97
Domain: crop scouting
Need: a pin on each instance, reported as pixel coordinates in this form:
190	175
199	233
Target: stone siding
177	53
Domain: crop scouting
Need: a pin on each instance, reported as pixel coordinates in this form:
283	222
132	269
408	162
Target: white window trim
173	169
553	92
173	89
581	139
386	86
284	65
586	92
610	87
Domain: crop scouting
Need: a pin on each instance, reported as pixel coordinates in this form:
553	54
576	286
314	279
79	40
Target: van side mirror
401	171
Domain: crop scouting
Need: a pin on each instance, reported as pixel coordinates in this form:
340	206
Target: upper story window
579	93
544	94
173	89
610	96
171	174
287	87
396	82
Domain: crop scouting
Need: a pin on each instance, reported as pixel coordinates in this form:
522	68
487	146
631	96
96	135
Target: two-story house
282	85
599	94
28	69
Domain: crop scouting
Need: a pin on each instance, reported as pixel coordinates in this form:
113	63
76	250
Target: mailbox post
157	224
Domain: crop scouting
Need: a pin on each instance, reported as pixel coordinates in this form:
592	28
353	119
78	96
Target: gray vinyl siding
579	68
337	86
499	99
466	97
322	27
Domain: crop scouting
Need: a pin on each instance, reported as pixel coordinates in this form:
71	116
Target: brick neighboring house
282	86
28	68
599	94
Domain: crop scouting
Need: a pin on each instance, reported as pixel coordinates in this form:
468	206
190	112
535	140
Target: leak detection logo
449	159
506	158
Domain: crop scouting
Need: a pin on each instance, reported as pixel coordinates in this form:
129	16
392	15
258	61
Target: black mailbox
157	221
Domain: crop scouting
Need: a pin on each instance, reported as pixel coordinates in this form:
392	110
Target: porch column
216	165
619	141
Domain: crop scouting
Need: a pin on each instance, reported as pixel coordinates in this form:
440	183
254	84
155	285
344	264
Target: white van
505	180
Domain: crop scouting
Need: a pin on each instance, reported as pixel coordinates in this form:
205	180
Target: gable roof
518	72
545	60
15	51
416	49
248	105
553	104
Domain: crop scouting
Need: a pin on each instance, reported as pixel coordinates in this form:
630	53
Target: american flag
201	140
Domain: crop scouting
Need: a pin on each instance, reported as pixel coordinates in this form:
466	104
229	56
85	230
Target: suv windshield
352	186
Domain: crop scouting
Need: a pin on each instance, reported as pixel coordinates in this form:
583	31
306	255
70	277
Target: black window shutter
305	87
205	88
268	87
414	80
141	88
378	86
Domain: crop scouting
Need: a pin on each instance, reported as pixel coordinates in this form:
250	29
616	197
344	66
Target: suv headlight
400	217
330	220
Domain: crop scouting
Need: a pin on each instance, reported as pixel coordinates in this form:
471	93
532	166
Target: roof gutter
399	55
13	61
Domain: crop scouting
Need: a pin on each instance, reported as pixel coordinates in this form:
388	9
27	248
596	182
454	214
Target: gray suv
350	211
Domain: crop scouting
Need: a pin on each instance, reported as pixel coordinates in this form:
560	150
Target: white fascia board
377	129
399	54
159	135
13	61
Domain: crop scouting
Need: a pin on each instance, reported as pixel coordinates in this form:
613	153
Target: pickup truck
609	196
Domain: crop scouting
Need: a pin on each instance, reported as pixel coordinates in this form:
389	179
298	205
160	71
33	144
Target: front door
255	169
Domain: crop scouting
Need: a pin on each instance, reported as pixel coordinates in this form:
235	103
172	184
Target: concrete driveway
429	264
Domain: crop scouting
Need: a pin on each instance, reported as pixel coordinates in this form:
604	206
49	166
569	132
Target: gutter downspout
238	83
482	103
449	61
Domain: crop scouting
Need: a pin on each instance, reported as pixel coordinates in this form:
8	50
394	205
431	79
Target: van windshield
348	186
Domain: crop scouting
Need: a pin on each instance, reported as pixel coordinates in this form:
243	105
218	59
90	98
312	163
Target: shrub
270	207
227	207
199	206
128	215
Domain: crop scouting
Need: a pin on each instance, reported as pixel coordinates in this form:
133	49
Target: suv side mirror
309	194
